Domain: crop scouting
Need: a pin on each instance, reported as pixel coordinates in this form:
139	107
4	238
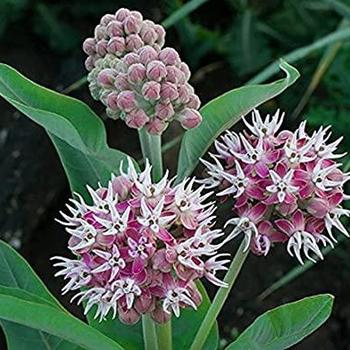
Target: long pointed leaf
285	325
76	131
224	111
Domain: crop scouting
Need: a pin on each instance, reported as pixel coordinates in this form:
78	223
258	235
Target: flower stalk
165	336
220	298
151	150
149	333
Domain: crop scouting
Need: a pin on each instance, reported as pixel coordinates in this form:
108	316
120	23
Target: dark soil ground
34	189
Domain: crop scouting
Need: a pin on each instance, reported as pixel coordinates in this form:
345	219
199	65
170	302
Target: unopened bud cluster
286	187
140	247
118	34
145	85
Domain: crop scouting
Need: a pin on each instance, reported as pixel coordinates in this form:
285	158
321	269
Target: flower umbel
140	246
286	187
137	79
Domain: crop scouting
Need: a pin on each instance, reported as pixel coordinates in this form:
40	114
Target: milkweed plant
140	241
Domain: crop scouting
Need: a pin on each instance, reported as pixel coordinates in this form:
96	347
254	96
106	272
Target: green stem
164	336
220	299
151	150
149	333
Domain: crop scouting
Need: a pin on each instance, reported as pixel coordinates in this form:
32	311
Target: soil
34	189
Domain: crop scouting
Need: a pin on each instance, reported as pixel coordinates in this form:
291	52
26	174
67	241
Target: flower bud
101	47
136	119
184	94
112	101
174	75
121	14
137	15
184	69
144	304
106	19
156	71
168	92
161	34
136	73
126	100
151	91
131	58
115	29
132	24
160	316
147	33
116	45
89	46
133	42
147	54
106	78
100	32
156	126
164	111
194	102
121	82
189	118
112	114
89	63
169	56
128	316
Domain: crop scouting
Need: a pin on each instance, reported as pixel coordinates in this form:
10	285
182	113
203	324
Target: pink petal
261	169
272	156
265	227
318	207
285	226
335	199
257	212
298	220
164	235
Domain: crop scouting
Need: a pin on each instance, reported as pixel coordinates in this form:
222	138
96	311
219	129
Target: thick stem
149	333
220	298
165	336
151	150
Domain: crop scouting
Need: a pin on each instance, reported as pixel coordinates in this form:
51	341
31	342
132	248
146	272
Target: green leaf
285	325
184	328
76	131
45	318
18	279
224	111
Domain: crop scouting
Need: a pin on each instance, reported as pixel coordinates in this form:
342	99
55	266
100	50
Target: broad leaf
286	325
18	279
76	131
53	321
184	328
224	111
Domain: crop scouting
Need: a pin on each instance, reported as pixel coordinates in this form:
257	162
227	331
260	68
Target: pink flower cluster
287	187
147	87
140	247
118	34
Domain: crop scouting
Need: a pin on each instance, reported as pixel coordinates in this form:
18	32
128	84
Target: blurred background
227	43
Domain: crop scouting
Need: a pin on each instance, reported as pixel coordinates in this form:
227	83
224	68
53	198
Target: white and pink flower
140	246
286	187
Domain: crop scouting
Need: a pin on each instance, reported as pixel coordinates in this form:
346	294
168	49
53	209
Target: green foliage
221	113
76	131
10	11
248	49
286	325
